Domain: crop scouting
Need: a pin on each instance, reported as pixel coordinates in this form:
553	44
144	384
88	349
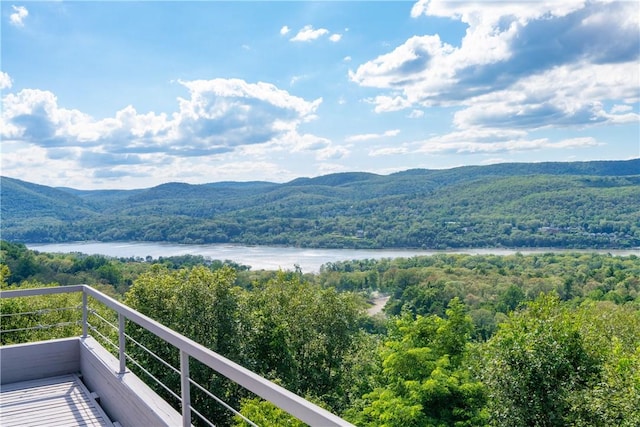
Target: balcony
75	380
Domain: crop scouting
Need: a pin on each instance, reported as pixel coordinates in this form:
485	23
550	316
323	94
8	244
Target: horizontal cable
223	403
158	358
94	329
41	311
104	337
168	365
95	313
202	417
41	327
154	378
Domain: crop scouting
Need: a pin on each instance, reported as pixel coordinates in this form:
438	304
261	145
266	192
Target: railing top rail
16	293
281	397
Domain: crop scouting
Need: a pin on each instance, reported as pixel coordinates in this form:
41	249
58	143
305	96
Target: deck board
59	401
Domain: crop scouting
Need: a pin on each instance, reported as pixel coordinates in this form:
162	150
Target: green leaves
424	382
524	205
551	365
305	337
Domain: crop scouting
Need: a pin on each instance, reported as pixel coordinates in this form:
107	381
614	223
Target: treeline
572	205
539	340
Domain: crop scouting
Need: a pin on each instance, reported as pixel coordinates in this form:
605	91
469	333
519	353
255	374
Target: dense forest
553	205
464	340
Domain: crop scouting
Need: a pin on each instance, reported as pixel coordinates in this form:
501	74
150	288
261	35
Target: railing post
121	343
185	389
84	314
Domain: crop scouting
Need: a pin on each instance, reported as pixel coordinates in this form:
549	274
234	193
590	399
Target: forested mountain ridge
576	204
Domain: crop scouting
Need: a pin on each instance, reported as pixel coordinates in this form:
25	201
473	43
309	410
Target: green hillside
570	205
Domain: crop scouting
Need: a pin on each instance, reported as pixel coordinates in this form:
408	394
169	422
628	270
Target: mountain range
559	204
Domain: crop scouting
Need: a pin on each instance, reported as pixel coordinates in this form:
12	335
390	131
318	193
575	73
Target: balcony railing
279	396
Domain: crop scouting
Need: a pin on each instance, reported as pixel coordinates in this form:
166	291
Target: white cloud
220	116
495	141
335	37
332	153
308	33
327	168
347	59
370	136
5	81
621	108
411	59
284	30
196	170
563	96
494	161
18	16
473	13
388	151
385	104
522	64
416	114
306	142
296	79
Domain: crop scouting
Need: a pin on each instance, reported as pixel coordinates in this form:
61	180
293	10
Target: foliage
201	304
489	285
285	329
40	317
542	340
559	205
304	336
265	414
423	380
551	365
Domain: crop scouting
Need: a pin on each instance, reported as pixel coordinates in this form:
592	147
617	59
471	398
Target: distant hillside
568	205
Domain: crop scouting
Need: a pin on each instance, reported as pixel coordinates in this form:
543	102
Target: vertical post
185	386
121	343
84	314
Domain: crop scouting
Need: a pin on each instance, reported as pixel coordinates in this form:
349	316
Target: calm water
268	257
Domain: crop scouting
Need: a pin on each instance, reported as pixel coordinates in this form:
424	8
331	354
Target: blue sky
135	94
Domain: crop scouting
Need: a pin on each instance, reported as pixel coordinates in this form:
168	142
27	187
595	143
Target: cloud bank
520	65
219	116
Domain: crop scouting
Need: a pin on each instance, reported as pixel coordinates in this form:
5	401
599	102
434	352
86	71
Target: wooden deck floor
59	401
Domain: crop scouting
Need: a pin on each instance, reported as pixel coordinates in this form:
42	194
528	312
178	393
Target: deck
28	398
49	402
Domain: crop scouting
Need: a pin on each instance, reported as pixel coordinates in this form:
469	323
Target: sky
120	95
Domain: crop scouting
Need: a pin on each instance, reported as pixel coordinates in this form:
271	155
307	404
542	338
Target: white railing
279	396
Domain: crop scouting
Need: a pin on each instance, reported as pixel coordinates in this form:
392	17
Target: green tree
424	381
203	305
612	332
304	336
535	364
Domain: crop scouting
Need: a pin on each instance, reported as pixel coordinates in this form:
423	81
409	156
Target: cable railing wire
202	417
40	327
207	392
158	358
132	360
95	313
153	377
101	335
221	402
40	311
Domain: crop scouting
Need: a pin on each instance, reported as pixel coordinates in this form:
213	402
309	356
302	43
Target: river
269	257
